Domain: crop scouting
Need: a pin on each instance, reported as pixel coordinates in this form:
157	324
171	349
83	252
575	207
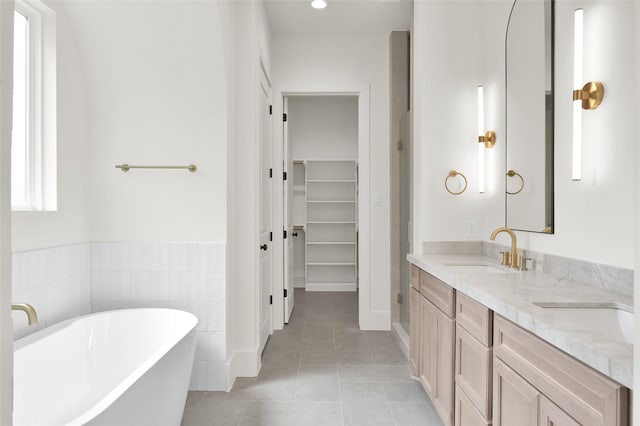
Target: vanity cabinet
414	337
437	344
473	362
567	392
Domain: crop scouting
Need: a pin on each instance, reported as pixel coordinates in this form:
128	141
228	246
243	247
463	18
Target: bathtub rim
111	396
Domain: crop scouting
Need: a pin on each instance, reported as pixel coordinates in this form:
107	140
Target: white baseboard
375	320
242	364
401	337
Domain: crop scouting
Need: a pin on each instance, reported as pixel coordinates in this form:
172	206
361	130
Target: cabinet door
444	341
515	401
473	370
551	415
427	345
466	412
414	336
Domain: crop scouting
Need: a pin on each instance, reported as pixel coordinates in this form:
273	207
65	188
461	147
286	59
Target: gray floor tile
362	392
216	412
320	370
293	414
415	415
318	383
374	373
405	392
367	413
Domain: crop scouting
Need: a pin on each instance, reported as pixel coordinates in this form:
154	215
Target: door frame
6	105
362	92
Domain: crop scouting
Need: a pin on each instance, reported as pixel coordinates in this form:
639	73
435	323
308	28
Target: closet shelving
331	225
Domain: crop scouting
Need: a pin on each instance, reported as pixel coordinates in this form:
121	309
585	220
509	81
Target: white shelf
328	243
330	201
331	219
328	222
331	180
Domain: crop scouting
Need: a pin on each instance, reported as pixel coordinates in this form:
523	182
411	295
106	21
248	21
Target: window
33	147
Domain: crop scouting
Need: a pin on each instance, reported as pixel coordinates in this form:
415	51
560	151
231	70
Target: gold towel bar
125	167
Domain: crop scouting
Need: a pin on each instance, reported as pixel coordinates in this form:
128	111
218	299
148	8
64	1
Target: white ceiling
354	17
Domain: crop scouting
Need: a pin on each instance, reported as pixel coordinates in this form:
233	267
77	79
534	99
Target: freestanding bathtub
115	368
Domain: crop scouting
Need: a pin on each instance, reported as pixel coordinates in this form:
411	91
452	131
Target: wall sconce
590	95
485	139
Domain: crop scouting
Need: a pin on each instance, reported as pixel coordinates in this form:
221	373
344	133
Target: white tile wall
187	276
55	281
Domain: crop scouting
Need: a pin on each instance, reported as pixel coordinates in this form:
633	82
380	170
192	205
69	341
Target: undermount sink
485	268
608	321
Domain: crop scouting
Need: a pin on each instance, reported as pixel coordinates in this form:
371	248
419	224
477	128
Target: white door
265	211
288	218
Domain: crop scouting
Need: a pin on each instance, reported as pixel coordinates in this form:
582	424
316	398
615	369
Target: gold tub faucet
28	309
514	244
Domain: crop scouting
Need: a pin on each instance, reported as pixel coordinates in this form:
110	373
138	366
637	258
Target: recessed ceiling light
318	4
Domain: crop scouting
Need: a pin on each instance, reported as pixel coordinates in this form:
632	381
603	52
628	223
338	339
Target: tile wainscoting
68	281
56	281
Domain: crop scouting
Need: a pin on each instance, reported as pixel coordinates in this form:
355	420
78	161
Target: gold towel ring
512	173
454	173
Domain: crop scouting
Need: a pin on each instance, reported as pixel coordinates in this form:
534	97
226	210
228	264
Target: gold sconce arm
452	174
591	95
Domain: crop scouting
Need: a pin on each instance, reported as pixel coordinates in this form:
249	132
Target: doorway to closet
321	197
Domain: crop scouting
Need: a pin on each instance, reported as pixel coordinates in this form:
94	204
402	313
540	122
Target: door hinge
285	292
270	236
270	299
270	109
284	175
399	145
284	234
399	298
284	117
270	173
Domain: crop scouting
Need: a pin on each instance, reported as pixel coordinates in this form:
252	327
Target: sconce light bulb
480	144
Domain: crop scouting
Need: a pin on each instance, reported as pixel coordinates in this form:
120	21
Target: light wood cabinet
427	349
414	337
551	415
515	400
466	413
473	370
437	355
585	395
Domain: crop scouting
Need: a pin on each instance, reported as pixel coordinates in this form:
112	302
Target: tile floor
321	370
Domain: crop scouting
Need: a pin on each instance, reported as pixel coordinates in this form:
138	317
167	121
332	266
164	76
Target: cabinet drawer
583	393
475	318
466	413
438	293
473	370
415	277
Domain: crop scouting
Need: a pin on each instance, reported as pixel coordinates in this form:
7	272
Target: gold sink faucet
514	244
28	309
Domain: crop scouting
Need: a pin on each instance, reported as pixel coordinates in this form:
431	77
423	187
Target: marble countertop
513	294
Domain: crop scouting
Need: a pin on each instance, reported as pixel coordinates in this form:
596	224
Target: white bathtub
125	367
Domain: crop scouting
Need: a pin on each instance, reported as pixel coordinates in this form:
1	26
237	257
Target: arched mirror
529	61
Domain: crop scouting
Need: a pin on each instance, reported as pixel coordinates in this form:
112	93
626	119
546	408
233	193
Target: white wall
448	52
323	127
326	63
594	219
246	44
157	96
69	224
